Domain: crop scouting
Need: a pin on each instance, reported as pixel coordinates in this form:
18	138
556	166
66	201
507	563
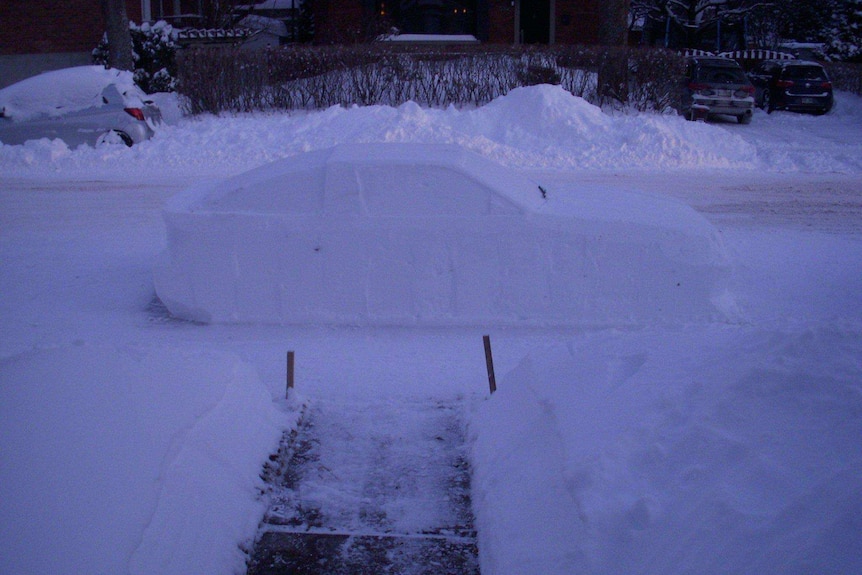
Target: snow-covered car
796	85
715	86
81	105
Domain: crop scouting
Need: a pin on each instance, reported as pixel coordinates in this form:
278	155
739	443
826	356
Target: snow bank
709	451
540	127
143	457
423	234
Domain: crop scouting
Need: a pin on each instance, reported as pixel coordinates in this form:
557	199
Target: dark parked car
716	86
83	105
796	85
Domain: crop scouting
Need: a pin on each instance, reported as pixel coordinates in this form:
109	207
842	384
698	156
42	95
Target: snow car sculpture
435	235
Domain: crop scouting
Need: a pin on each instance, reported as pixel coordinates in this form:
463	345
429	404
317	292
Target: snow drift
431	234
117	460
708	451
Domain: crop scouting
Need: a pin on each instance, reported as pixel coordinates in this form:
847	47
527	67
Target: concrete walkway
371	488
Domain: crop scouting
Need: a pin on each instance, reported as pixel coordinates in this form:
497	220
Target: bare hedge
846	76
237	80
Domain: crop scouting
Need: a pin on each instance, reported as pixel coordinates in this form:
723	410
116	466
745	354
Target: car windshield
721	75
805	73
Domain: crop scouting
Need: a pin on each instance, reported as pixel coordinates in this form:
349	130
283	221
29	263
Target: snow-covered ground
133	443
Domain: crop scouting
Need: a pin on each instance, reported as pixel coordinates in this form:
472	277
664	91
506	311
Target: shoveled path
371	488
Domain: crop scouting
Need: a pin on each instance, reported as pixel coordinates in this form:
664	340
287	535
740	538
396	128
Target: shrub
154	54
296	77
846	76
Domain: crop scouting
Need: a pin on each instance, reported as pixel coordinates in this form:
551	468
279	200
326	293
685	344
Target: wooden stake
489	363
289	374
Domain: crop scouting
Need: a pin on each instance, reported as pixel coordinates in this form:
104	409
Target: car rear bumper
806	103
138	131
731	107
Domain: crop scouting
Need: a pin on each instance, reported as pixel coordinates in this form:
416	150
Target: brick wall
577	22
43	26
501	15
338	21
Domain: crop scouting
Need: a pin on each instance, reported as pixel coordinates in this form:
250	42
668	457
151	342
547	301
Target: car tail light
136	113
784	83
826	85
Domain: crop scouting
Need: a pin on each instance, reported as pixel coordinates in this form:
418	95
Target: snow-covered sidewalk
375	486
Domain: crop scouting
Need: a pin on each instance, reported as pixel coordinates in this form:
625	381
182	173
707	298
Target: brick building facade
492	21
43	26
38	35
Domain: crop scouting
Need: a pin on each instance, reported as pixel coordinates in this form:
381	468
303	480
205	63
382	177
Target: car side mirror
111	95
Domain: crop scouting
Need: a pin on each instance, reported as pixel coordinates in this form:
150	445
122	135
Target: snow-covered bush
154	52
845	32
846	76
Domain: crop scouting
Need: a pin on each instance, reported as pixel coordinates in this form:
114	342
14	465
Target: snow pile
541	127
65	91
710	451
383	234
550	127
116	460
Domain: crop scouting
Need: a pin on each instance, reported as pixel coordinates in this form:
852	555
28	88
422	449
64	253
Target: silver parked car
83	105
715	86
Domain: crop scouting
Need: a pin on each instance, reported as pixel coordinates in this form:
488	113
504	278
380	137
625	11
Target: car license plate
806	100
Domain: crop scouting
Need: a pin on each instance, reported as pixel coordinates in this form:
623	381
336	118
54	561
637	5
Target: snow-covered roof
213	35
271	5
430	38
373	180
270	25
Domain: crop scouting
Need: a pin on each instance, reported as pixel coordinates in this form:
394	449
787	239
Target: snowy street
133	442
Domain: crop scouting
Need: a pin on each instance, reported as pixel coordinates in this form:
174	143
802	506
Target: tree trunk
119	38
613	29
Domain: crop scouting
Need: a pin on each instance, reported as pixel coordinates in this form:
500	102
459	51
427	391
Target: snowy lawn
132	443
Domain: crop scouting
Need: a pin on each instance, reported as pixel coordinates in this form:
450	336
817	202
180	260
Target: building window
430	16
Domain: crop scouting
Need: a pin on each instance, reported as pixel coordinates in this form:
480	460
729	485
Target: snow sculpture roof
374	180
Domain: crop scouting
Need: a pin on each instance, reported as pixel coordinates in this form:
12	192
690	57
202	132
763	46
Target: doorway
535	22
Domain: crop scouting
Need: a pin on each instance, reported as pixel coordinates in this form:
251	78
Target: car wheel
115	137
744	119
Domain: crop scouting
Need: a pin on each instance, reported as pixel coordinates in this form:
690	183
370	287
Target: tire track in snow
371	488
